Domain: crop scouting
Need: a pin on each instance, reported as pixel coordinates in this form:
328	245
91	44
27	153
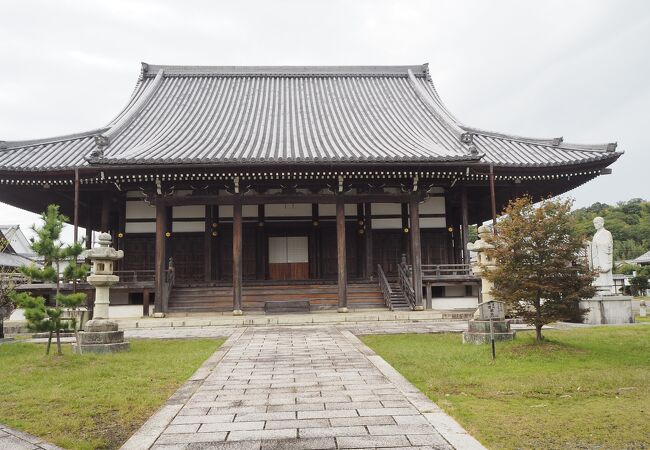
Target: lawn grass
93	401
584	388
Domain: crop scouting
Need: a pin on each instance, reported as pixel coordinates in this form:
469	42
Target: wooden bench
290	306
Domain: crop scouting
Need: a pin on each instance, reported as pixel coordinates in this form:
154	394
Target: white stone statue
601	250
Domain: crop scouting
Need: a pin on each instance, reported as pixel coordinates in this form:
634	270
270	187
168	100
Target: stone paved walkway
298	387
11	439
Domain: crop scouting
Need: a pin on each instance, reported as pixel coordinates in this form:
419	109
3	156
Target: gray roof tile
219	115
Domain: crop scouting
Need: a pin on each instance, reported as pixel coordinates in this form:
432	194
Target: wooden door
188	252
387	249
288	257
139	252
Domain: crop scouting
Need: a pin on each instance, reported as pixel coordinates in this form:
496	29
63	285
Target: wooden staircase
254	297
397	298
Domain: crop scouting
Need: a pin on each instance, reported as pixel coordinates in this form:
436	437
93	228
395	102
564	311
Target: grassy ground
93	401
586	388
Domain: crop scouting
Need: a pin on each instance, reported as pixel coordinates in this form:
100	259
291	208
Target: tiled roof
643	259
222	115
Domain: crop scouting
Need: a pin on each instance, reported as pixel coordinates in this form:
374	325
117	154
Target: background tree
48	245
639	284
539	272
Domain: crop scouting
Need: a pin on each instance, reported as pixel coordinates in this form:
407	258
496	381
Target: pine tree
539	272
48	245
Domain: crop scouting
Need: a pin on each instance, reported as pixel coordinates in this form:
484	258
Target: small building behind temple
15	249
347	187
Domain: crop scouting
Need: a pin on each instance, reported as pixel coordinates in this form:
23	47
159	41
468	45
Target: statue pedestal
101	336
608	309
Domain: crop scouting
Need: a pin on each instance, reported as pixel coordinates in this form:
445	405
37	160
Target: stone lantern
102	278
100	335
483	262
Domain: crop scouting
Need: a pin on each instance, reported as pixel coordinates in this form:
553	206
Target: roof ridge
441	113
104	139
557	142
148	70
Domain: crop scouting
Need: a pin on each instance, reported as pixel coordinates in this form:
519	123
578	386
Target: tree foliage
48	245
629	223
539	272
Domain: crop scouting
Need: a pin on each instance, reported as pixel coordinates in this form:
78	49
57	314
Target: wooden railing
135	276
384	285
438	271
405	283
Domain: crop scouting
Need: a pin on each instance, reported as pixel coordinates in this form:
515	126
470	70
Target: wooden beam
341	256
416	250
161	226
257	199
237	267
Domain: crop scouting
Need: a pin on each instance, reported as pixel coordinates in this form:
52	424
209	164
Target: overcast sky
578	69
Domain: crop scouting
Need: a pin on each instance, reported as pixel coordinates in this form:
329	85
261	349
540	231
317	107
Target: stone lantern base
100	336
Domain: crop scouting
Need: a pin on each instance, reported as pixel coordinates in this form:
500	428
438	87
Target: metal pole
494	354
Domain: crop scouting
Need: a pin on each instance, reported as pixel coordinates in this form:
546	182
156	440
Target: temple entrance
288	257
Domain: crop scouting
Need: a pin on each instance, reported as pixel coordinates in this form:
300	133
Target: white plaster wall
139	210
140	227
188	227
189	211
329	210
288	210
433	205
454	302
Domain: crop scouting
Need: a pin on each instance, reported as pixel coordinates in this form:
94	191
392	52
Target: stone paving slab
298	387
11	439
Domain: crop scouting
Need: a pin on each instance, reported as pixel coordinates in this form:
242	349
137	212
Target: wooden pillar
316	233
361	242
207	245
370	267
405	228
465	224
105	213
429	304
216	245
493	200
416	251
260	243
76	206
145	302
237	268
161	227
340	251
89	236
